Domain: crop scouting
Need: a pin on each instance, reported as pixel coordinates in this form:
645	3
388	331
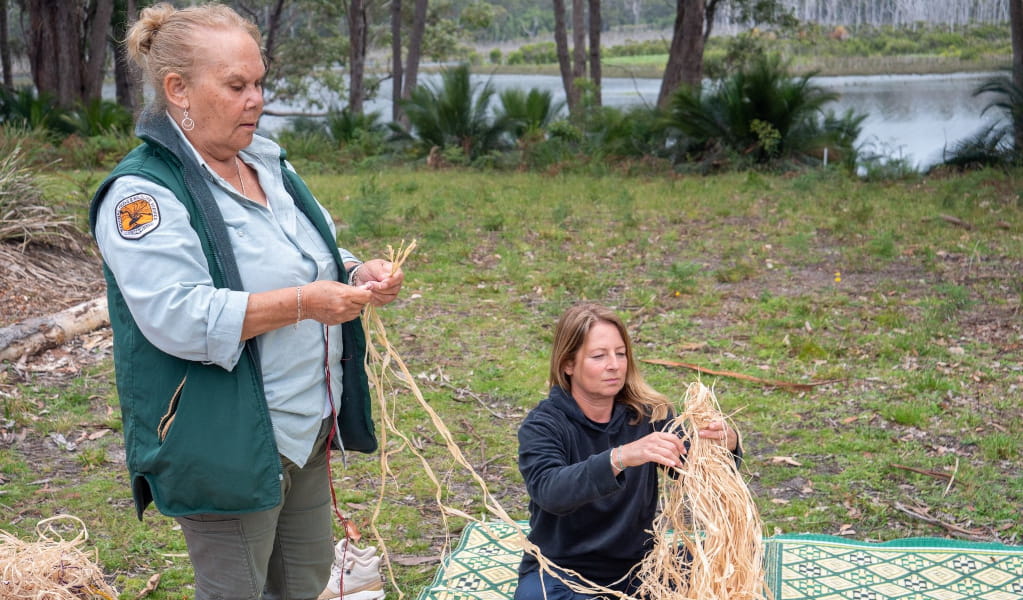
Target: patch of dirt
35	282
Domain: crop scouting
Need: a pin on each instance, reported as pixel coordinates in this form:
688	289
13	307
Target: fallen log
34	335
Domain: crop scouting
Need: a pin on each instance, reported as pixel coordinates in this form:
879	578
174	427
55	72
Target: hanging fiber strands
708	538
386	371
720	483
51	568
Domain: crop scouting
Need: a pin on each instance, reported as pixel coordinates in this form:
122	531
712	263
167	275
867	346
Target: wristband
620	465
353	273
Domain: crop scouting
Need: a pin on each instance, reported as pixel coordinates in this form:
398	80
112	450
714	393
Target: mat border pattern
486	559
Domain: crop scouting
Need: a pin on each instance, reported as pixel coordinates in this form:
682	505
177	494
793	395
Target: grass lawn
896	304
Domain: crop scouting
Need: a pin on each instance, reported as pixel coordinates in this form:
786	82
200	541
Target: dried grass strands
386	370
52	568
707	510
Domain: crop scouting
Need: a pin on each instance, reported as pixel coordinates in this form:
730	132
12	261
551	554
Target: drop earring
187	123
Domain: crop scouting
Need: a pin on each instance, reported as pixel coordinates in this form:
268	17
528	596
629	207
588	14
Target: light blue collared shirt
166	283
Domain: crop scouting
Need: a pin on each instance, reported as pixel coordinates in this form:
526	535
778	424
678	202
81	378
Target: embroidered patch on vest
137	215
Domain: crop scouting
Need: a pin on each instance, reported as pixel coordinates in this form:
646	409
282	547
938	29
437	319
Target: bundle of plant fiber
708	537
51	568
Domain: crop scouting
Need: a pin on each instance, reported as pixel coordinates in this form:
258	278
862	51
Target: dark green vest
198	438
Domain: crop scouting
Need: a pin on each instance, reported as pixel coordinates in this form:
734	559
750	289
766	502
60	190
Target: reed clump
708	536
52	567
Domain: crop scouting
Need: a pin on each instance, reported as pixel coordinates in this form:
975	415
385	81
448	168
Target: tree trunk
127	78
397	70
1016	27
673	69
357	32
685	57
273	24
709	12
66	44
578	39
34	335
561	43
595	67
415	48
53	43
5	47
97	28
692	44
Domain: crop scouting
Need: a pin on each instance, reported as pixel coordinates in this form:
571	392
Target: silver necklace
238	170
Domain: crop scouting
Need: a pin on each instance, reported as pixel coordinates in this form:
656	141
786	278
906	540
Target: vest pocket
172	408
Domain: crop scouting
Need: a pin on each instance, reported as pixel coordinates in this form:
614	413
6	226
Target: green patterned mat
799	567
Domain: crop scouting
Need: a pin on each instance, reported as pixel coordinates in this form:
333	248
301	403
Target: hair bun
151	20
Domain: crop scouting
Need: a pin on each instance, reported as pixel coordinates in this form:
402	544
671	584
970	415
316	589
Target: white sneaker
358	580
345	550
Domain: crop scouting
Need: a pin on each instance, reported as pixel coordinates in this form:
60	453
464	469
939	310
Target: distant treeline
517	19
898	13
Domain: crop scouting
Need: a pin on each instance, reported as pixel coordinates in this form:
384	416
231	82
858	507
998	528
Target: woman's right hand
332	302
658	447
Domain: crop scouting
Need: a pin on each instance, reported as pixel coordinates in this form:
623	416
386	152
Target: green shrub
24	108
99	117
543	53
762	114
455	113
528	112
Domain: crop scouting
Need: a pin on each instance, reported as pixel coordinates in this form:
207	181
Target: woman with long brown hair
590	454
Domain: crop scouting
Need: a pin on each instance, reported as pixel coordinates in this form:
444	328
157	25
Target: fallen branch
39	333
779	384
955	221
928	472
976	535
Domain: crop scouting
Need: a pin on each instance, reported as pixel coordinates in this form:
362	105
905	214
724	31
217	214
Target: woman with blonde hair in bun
237	345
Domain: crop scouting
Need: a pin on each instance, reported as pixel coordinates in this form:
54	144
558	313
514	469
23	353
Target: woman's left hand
376	276
719	430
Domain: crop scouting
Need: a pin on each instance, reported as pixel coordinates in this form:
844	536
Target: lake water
914	117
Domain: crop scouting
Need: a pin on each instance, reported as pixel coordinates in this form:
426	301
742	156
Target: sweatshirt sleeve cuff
601	472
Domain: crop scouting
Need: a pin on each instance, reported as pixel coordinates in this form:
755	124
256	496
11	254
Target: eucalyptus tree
1016	30
127	80
694	20
405	77
307	45
5	47
66	43
572	93
586	25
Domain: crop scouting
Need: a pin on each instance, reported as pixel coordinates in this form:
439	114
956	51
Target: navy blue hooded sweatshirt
581	515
